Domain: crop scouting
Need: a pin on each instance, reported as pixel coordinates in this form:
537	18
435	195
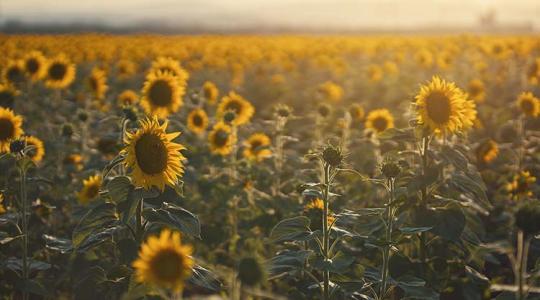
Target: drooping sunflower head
172	66
256	147
14	72
330	91
438	106
8	94
487	151
477	90
38	149
357	112
127	98
520	186
60	73
97	83
164	262
529	104
90	190
222	139
379	120
197	121
35	65
314	211
151	155
242	108
10	128
161	94
210	92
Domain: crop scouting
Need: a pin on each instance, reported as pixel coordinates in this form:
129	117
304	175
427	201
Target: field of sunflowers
269	167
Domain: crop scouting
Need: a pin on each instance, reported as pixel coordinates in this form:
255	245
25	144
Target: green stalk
389	224
326	233
422	250
138	216
521	264
24	208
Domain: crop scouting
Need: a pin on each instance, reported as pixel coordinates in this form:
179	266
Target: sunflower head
520	186
256	147
8	94
210	92
375	73
97	83
330	91
164	262
529	104
477	90
35	65
314	211
38	149
153	158
126	68
127	98
197	121
2	208
161	94
533	72
243	109
222	139
60	73
10	128
357	112
14	72
90	190
171	66
487	151
379	120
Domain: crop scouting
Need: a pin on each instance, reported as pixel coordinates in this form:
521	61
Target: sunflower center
255	145
160	93
197	120
438	107
15	75
221	138
380	124
475	90
92	191
527	106
151	154
234	106
57	71
7	130
32	65
167	265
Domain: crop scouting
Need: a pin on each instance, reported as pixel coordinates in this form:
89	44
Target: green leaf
98	220
414	230
205	278
293	229
397	134
57	244
15	264
176	217
471	186
8	239
450	222
112	164
287	261
338	264
119	188
420	181
455	157
25	163
33	287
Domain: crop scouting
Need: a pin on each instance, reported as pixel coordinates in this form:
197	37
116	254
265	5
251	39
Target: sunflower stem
326	233
386	251
422	250
140	226
24	219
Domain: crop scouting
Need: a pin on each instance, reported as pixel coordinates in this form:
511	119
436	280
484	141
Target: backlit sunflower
256	147
60	73
487	151
314	211
153	158
477	90
164	262
243	109
357	112
529	104
330	91
127	98
197	121
90	190
439	106
10	128
8	93
97	83
520	186
210	92
379	120
161	94
171	66
37	153
35	65
221	139
14	72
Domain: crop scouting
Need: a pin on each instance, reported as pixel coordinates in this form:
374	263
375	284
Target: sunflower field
269	167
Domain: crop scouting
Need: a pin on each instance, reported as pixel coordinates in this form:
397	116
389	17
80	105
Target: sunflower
379	120
37	153
330	91
8	93
2	208
164	262
161	94
529	104
243	109
520	186
477	90
533	73
10	128
75	160
90	190
125	68
424	58
197	121
60	72
97	83
152	156
35	65
375	73
222	139
210	92
314	211
487	151
127	98
14	72
440	105
357	112
256	147
171	66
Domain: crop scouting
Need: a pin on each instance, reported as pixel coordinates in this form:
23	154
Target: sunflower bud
67	130
283	110
528	218
332	156
390	169
82	116
251	271
17	146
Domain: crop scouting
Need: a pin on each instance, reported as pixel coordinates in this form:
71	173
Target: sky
345	14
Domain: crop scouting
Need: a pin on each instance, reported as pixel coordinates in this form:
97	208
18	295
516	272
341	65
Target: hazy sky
312	13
